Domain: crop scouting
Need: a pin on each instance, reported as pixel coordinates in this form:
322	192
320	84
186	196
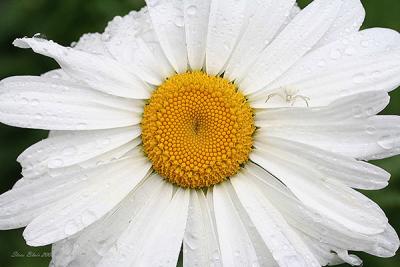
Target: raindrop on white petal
192	10
349	51
359	78
38	116
321	63
55	163
357	111
88	217
24	101
40	36
386	142
71	228
335	54
179	21
365	43
106	37
153	3
35	102
69	151
81	126
371	130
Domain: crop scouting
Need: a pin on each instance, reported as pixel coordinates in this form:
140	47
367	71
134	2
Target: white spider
289	95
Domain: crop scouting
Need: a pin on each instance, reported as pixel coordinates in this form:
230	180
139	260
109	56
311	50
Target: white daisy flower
236	130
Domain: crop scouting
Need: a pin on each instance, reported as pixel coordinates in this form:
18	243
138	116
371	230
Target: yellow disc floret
197	130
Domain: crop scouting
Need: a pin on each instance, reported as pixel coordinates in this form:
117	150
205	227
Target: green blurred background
64	21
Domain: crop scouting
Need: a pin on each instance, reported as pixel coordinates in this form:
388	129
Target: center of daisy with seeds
197	130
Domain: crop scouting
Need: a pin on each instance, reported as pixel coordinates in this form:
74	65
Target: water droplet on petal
179	21
365	43
55	163
359	78
35	102
71	228
336	54
192	10
106	37
69	151
88	217
386	142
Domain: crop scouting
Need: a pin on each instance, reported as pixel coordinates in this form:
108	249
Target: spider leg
304	98
272	95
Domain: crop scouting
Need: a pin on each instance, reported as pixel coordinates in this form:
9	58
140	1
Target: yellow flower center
197	130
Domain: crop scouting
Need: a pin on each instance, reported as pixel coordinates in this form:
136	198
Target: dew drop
24	101
71	228
336	54
81	126
55	75
35	102
179	21
192	10
386	142
69	151
357	111
376	74
152	3
106	37
364	43
88	217
321	63
371	130
358	78
349	51
38	116
55	163
40	36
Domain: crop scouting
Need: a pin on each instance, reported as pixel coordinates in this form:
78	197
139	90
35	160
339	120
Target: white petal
346	206
325	253
226	23
257	36
34	173
364	61
100	72
124	38
235	243
350	259
350	172
75	147
53	104
86	206
155	237
196	13
293	13
305	30
386	244
200	243
38	171
350	18
169	24
286	247
374	138
88	247
361	135
150	37
314	225
31	197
